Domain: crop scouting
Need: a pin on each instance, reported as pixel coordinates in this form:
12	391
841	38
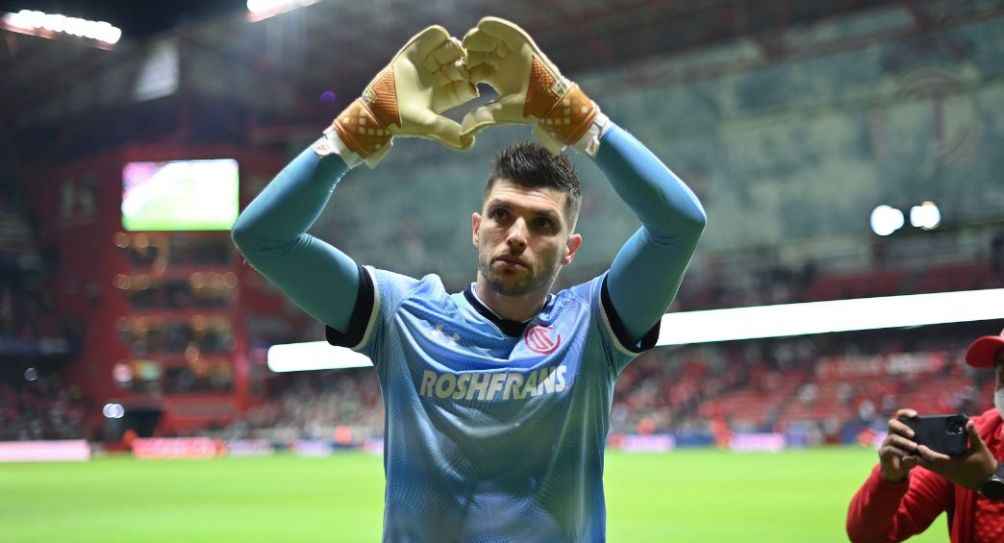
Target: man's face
523	238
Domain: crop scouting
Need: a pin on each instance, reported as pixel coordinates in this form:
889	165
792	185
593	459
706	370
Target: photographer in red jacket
898	501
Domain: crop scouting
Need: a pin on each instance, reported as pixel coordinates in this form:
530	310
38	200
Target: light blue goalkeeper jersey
495	429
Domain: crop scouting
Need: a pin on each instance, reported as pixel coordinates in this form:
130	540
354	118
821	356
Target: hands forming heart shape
435	72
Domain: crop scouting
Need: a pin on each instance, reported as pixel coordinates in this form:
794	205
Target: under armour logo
323	147
441	333
538	338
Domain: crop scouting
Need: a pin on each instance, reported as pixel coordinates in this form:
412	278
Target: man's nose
516	240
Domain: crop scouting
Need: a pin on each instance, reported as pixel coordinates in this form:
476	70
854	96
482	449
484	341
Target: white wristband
331	144
589	143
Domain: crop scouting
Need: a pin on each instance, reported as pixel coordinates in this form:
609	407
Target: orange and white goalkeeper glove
531	89
425	78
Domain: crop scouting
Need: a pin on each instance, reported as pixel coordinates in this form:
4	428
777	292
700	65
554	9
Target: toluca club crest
541	339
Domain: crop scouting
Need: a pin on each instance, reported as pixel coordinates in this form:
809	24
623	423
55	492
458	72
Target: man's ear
475	226
571	247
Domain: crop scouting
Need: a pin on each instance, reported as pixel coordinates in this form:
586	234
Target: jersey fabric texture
495	429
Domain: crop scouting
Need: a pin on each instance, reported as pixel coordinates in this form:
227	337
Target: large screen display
180	195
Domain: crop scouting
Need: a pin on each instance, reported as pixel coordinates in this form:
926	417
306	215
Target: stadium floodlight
263	9
50	25
738	323
886	219
113	411
926	216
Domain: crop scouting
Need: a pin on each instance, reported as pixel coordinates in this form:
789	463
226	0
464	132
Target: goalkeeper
498	397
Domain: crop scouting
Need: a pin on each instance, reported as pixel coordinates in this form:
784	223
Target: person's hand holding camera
899	454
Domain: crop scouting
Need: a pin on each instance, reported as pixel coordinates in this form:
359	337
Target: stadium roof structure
313	60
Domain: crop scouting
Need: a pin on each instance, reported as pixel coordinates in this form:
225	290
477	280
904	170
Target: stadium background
792	120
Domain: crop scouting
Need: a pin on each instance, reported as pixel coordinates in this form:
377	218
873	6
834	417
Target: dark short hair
530	165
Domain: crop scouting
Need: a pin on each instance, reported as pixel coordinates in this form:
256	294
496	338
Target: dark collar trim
508	327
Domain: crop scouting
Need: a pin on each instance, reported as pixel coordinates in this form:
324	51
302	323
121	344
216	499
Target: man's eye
498	214
544	224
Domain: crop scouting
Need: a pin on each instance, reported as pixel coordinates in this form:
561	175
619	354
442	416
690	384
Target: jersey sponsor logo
498	385
538	338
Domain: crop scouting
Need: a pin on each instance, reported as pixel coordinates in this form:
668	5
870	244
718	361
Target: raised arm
426	77
272	235
646	273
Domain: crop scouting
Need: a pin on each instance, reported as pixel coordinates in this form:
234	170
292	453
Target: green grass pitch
685	496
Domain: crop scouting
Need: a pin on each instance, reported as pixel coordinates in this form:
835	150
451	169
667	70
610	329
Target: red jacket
882	511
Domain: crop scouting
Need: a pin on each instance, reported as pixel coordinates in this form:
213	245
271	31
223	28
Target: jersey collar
508	327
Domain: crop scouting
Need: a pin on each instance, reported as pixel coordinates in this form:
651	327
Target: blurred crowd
149	335
26	313
148	249
762	277
317	405
28	322
201	291
36	406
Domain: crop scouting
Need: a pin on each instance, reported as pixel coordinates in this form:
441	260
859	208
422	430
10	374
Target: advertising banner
188	447
69	450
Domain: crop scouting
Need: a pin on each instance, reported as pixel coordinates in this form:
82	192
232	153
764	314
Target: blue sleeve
272	235
647	271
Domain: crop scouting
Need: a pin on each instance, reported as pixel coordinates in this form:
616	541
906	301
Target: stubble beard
528	284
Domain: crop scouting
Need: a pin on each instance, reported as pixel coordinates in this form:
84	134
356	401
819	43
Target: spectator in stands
897	501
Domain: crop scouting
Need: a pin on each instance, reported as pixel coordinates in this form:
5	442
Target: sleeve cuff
887	485
362	313
331	144
589	143
646	342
